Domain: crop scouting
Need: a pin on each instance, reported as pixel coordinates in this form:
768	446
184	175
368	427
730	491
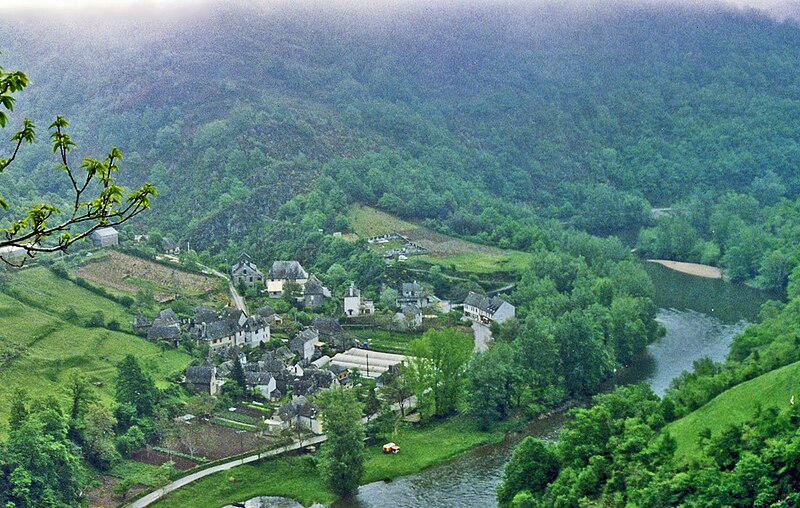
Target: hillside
427	113
40	350
736	406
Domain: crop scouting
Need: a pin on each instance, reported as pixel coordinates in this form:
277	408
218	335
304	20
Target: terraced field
129	274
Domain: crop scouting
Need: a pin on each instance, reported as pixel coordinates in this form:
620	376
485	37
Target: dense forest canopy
588	117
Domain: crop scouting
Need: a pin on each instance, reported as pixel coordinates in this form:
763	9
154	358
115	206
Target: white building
354	305
105	237
485	309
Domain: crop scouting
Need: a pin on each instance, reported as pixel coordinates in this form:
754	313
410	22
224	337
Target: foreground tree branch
97	201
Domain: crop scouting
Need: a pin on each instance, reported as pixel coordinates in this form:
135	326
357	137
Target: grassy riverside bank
295	477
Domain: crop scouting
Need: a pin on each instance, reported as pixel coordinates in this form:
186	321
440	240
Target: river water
701	317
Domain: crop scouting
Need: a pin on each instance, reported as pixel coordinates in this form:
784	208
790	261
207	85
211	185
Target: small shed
105	237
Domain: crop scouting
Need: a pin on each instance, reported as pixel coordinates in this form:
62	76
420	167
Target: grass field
442	250
421	447
773	389
39	351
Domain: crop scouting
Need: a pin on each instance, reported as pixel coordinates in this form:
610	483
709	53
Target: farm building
485	309
105	237
368	363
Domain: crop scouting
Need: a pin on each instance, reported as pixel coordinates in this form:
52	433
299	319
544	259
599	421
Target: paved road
238	300
154	496
166	489
482	335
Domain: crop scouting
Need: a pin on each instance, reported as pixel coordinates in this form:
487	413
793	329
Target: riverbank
707	271
296	477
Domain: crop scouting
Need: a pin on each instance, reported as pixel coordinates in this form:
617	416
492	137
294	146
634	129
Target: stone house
201	379
261	382
313	293
283	272
246	272
300	411
409	317
486	309
411	293
304	342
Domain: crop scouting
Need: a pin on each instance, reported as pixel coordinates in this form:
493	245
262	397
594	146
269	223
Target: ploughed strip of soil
155	458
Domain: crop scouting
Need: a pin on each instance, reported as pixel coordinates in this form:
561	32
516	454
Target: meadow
296	477
39	350
734	406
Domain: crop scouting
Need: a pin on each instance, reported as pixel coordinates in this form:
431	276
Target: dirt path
710	272
482	335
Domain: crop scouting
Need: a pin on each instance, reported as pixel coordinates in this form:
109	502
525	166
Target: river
701	317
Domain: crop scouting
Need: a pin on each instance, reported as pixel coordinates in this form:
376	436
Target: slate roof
104	232
287	270
220	329
140	321
199	375
284	352
168	315
168	332
484	303
231	314
352	291
257	378
327	325
411	310
255	323
313	286
412	287
300	406
203	314
168	244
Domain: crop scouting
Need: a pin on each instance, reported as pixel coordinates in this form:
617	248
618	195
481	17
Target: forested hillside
475	118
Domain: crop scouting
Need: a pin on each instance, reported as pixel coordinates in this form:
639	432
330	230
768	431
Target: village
256	371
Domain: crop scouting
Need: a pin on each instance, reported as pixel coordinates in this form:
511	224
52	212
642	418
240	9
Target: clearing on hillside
129	274
442	249
736	405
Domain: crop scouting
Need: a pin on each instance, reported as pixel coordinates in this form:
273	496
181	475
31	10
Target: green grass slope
39	351
773	389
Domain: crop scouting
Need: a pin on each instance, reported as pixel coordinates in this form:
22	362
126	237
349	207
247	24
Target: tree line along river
701	316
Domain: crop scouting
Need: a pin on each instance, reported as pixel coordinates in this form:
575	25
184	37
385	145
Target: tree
533	465
81	395
436	369
95	200
98	437
388	298
291	292
239	387
342	456
38	464
19	409
135	388
493	381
